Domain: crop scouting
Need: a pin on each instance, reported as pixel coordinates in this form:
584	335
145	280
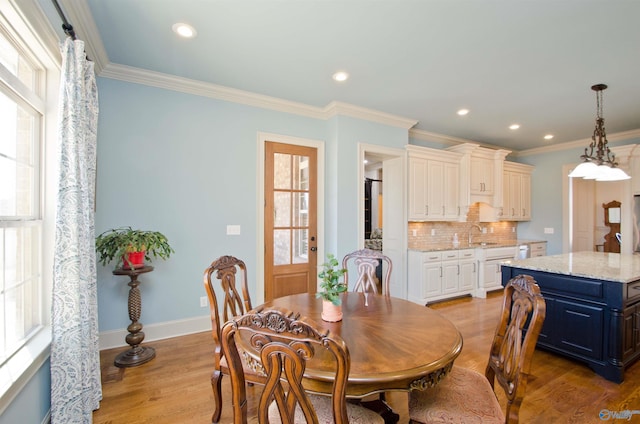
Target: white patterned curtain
75	359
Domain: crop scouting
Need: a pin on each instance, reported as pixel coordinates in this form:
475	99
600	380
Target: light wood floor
175	386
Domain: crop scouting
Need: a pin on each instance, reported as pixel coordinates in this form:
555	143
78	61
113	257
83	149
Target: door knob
313	249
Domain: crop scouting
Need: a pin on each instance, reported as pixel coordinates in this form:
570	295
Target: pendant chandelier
599	163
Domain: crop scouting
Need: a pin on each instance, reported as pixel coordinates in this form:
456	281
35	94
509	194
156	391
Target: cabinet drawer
432	257
501	252
538	247
633	290
467	254
449	255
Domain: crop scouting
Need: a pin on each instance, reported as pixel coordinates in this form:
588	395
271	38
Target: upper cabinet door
516	199
451	190
481	176
434	189
417	189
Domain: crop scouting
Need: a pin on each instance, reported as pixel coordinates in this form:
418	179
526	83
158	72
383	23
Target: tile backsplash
496	232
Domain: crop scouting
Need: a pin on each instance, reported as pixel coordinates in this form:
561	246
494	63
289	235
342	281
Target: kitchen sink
484	243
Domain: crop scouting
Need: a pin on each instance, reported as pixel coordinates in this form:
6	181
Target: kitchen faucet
471	231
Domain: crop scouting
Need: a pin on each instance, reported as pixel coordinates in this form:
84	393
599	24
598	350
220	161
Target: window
20	215
29	80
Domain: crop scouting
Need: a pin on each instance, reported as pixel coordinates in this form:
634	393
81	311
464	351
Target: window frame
28	27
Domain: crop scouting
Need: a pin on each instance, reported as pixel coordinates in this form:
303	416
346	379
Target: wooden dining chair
284	342
366	261
229	274
466	396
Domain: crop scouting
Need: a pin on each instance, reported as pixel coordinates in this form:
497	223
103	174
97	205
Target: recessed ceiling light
340	76
548	136
463	112
514	126
184	30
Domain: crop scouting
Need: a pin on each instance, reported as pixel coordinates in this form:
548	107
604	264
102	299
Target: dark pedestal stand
137	355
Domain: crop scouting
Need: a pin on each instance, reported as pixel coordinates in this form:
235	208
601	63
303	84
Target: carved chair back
521	320
284	342
366	261
225	272
230	275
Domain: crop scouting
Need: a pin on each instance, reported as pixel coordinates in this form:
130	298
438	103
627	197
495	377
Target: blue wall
33	402
185	165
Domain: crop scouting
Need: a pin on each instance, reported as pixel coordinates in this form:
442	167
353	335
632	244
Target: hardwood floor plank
175	386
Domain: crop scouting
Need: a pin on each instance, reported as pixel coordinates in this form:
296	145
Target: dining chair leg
216	385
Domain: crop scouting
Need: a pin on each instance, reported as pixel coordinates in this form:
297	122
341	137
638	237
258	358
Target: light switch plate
548	230
233	230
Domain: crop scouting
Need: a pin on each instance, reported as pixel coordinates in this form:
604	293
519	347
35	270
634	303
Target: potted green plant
131	246
330	289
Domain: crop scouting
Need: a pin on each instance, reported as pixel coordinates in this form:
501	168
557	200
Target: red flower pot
136	259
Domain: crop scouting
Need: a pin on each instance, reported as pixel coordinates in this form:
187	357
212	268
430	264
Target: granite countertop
466	245
596	265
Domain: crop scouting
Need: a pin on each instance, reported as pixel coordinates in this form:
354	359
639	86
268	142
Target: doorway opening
386	230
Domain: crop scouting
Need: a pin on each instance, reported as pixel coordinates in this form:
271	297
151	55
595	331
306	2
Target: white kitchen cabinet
433	185
425	276
441	275
482	178
468	270
450	271
480	175
516	198
417	188
538	249
490	276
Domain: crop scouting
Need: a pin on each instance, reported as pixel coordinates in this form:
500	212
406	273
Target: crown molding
448	140
199	88
345	109
79	16
621	136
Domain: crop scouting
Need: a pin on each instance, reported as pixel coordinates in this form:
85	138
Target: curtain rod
66	26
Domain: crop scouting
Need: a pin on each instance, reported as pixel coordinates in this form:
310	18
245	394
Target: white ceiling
530	62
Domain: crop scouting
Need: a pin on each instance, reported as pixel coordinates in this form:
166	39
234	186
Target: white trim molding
214	91
158	331
621	136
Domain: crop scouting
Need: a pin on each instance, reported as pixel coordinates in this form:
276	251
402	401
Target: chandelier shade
599	163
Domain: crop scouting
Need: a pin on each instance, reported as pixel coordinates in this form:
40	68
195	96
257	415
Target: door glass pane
301	211
282	209
301	176
301	244
281	247
281	171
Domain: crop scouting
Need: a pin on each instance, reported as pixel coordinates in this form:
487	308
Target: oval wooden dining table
394	344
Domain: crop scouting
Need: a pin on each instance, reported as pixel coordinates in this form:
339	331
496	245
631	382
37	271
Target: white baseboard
159	331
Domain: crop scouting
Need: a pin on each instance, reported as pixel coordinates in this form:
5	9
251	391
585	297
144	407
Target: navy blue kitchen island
593	307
